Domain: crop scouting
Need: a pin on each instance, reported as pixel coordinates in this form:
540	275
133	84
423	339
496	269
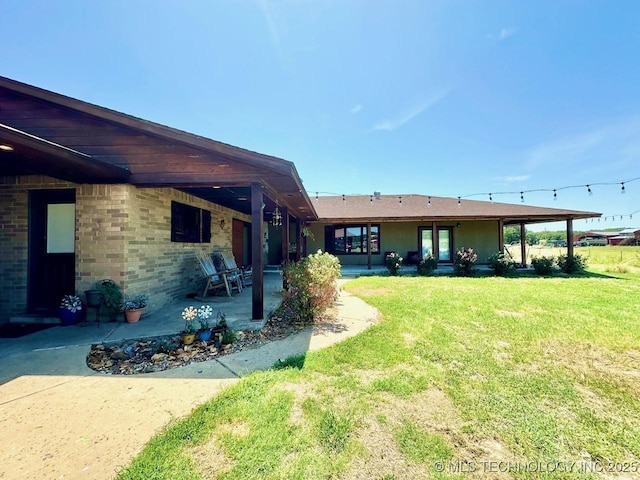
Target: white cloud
356	109
513	178
503	34
409	113
274	33
506	33
592	151
567	150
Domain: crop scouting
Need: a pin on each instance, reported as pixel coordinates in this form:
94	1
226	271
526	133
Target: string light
371	199
622	185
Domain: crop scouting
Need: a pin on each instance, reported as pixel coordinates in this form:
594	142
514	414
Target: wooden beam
523	244
501	235
299	239
369	246
257	253
285	236
434	241
570	237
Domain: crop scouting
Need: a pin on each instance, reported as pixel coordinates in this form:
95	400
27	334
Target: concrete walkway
61	420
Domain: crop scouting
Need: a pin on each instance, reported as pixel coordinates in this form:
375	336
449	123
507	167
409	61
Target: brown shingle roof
417	207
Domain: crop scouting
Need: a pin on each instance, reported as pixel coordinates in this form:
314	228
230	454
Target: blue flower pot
67	317
204	335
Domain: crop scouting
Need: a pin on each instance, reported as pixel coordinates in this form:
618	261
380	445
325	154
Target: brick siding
122	232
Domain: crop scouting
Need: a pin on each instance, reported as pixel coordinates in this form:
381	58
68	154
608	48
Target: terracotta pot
133	315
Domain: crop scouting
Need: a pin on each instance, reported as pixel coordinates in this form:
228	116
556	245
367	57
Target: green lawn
465	371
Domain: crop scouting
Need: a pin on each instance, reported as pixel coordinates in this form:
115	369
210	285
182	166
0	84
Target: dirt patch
211	459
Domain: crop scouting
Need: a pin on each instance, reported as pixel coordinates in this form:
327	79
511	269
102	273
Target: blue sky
432	97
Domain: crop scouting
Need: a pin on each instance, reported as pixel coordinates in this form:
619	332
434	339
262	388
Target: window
190	224
444	240
352	239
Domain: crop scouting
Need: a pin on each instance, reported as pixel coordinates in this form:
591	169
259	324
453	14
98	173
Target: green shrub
310	286
111	297
393	261
542	265
464	262
573	264
501	265
427	265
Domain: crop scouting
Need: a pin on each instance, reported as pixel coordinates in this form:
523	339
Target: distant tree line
512	235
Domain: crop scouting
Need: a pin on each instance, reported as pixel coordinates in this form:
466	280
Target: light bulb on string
589	190
316	196
344	199
400	201
491	198
555	195
459	203
429	203
622	191
521	197
371	199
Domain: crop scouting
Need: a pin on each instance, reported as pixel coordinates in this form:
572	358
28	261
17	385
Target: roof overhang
26	154
427	209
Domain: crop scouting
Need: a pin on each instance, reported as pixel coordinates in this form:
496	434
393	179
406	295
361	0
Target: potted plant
220	329
134	307
204	333
94	297
188	335
111	297
71	311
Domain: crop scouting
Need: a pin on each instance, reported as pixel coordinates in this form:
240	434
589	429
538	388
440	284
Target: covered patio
164	321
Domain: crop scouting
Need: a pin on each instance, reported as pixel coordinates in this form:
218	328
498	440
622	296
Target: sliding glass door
445	243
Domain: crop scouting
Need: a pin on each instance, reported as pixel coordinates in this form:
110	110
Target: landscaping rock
132	357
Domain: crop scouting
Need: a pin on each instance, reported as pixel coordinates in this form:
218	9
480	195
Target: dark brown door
51	248
240	234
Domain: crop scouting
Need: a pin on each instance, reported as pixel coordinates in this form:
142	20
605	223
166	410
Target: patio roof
56	135
402	208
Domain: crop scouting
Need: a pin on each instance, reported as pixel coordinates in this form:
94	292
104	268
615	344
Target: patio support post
285	236
369	246
523	244
257	252
434	241
501	235
299	239
570	237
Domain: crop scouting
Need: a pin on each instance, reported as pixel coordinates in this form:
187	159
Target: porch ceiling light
276	219
6	148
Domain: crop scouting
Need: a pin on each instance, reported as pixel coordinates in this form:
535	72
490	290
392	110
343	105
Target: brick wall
122	232
154	265
14	237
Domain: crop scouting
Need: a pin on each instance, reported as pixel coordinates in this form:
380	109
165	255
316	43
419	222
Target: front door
445	243
52	233
240	242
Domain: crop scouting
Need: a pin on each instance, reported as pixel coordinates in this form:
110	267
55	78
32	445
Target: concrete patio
164	321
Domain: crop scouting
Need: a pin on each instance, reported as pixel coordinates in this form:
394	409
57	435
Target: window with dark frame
352	239
190	224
